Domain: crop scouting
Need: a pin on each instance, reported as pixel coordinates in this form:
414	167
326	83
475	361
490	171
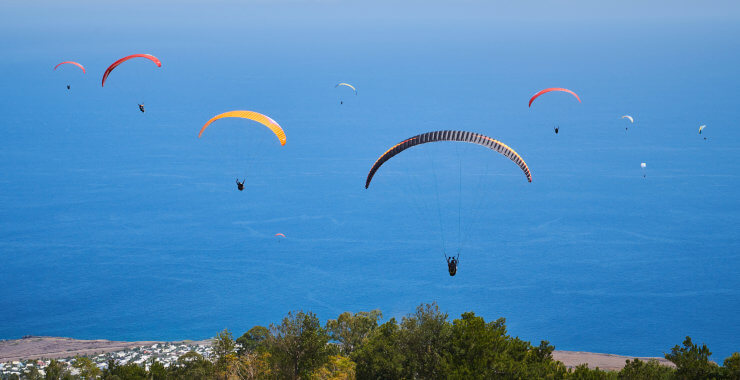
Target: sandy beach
37	347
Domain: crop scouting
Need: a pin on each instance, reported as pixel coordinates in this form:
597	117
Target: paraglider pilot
557	129
141	107
68	86
452	264
240	185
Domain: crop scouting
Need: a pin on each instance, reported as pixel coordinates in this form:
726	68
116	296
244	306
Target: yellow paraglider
255	116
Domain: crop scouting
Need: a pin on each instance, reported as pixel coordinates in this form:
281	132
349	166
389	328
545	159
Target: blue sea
120	225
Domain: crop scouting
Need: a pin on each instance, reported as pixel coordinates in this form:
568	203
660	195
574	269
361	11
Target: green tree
128	371
227	363
380	357
56	370
86	367
350	330
223	344
692	361
256	365
337	368
298	345
157	371
640	370
31	373
192	365
480	350
732	366
255	339
425	337
582	372
474	346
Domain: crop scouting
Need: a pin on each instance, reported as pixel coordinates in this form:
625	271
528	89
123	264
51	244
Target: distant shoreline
38	347
47	347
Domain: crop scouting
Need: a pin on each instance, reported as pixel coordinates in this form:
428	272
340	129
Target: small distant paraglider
71	63
346	85
141	108
701	128
643	166
280	234
630	118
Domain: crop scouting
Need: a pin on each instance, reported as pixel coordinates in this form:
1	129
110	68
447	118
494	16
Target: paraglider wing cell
462	136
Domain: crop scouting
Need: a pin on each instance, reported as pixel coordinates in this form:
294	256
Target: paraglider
347	85
541	92
643	166
630	118
141	108
461	136
452	264
451	136
124	59
250	115
70	63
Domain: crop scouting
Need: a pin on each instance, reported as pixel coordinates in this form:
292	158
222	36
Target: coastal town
166	353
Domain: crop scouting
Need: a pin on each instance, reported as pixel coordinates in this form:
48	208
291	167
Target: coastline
43	347
47	347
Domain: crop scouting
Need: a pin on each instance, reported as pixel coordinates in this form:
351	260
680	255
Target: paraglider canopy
348	85
71	63
258	117
280	234
701	128
124	59
628	117
545	91
461	136
643	165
